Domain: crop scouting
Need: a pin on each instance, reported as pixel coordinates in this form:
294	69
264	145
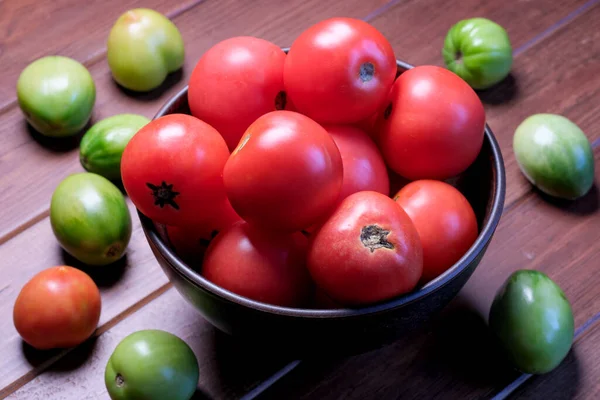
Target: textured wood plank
576	378
227	371
30	169
31	29
122	285
454	356
557	74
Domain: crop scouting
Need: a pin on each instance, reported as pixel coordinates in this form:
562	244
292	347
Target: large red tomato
172	170
367	251
444	219
339	70
261	265
190	242
286	173
432	126
58	308
235	82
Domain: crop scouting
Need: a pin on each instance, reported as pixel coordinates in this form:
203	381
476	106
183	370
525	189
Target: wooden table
556	69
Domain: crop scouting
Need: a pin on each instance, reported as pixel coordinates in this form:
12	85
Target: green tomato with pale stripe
479	51
90	219
555	155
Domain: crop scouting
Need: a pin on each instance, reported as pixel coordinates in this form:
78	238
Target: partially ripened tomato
260	265
432	126
172	169
57	308
339	70
235	82
367	251
286	173
445	221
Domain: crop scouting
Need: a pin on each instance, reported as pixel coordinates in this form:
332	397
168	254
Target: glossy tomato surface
367	251
445	221
260	265
432	126
235	82
339	70
285	174
172	170
58	308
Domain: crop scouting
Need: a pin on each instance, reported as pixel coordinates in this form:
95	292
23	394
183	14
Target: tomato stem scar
119	380
367	71
374	237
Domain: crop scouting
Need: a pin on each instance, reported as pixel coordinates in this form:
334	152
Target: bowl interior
483	184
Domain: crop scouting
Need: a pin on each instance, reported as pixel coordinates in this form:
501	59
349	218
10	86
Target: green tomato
554	155
533	321
143	48
479	51
152	365
90	218
57	95
102	145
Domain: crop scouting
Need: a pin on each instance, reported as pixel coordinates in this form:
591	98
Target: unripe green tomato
57	95
102	145
479	51
152	365
554	155
143	47
90	218
533	321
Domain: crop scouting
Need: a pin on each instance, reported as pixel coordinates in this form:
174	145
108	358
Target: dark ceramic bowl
339	330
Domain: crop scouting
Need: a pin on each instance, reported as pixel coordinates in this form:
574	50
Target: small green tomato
554	155
479	51
152	365
57	95
143	48
533	321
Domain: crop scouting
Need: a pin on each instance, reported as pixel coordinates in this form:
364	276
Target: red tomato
340	70
433	125
58	308
235	82
172	170
367	251
445	221
364	168
190	242
260	265
286	173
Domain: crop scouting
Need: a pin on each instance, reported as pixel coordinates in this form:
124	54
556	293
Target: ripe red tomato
432	126
445	221
190	242
367	251
286	173
339	70
261	265
172	170
58	308
235	82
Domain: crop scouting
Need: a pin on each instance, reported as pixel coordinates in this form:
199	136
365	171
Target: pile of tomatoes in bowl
316	177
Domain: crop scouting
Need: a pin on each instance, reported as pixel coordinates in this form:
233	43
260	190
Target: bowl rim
483	239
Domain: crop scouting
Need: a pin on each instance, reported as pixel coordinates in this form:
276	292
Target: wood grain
556	75
576	377
122	285
227	371
454	356
31	166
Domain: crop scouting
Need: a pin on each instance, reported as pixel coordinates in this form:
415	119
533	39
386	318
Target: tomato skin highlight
339	71
58	308
261	265
286	173
367	251
235	82
432	126
172	170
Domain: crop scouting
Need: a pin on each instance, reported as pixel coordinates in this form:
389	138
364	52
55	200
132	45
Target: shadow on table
171	80
503	92
58	144
585	205
73	359
104	276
